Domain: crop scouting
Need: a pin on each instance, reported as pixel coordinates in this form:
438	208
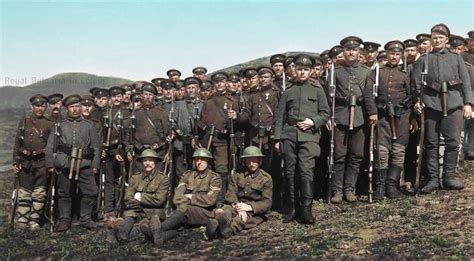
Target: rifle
169	163
103	155
232	141
331	171
283	85
52	185
371	160
14	197
211	136
123	174
421	137
391	115
444	98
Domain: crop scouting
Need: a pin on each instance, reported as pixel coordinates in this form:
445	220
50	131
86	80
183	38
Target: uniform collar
444	50
202	174
150	176
252	175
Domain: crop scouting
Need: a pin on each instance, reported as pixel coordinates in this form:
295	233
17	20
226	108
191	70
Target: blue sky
140	40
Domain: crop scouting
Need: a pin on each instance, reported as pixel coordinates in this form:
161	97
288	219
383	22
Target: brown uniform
151	128
254	189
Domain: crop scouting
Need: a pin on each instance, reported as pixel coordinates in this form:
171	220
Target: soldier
101	104
127	93
468	55
457	44
247	201
382	58
390	110
317	70
251	77
411	55
290	69
215	122
195	198
87	107
54	101
442	117
362	55
326	63
169	88
276	61
173	75
424	43
145	199
29	163
76	159
349	140
336	55
205	92
200	73
233	84
371	52
302	111
180	91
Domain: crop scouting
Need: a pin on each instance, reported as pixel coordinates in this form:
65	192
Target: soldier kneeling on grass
248	198
145	200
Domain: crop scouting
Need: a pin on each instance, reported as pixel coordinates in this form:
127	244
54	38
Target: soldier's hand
306	124
190	196
413	125
103	154
467	111
129	156
16	167
243	207
138	196
373	119
95	171
277	147
328	125
119	158
232	114
243	215
170	138
419	107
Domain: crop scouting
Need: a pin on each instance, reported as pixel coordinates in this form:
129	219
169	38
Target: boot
223	191
111	237
224	219
380	177
211	229
124	230
64	209
306	190
393	179
160	235
449	172
290	215
336	197
432	170
87	204
350	196
144	226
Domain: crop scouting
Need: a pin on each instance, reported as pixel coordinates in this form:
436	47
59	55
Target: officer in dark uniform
336	55
76	160
389	107
276	61
445	70
290	69
371	52
410	56
205	92
169	88
350	80
102	102
302	111
251	77
174	75
457	44
424	43
55	106
29	163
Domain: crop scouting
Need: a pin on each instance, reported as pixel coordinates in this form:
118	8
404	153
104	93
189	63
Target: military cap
252	152
219	76
71	99
55	98
156	81
410	43
101	93
471	34
265	69
381	55
173	72
371	46
234	77
249	72
324	54
167	84
87	100
277	58
456	40
179	84
351	42
423	37
138	84
38	99
115	90
149	87
126	87
206	85
202	153
93	90
442	29
289	60
149	154
136	94
318	61
192	80
304	60
394	45
200	70
335	51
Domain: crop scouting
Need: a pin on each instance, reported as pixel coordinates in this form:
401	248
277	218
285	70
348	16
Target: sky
141	40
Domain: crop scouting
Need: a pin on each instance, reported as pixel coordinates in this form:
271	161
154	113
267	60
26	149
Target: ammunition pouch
347	101
33	155
438	87
87	153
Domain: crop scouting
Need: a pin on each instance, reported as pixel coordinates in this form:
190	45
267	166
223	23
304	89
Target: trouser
32	194
238	225
391	152
112	183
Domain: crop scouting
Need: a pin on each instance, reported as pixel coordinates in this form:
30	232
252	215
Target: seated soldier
247	200
145	200
195	198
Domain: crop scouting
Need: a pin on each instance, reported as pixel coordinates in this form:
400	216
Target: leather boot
224	219
64	209
124	230
449	171
393	179
211	229
380	177
160	236
306	190
87	204
290	214
144	226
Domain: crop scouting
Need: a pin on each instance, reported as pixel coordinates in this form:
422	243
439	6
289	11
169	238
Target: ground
436	226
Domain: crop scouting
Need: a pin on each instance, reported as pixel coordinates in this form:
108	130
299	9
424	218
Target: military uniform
393	101
300	147
74	133
443	67
29	153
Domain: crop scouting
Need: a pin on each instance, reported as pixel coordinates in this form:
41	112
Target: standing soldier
247	201
195	198
371	52
145	200
410	56
349	139
76	159
446	98
102	103
457	44
276	61
127	93
468	56
382	58
29	163
424	43
336	55
173	75
205	92
55	106
200	72
302	111
168	87
389	107
290	69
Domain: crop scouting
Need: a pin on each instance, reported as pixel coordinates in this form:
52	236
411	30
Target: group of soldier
148	157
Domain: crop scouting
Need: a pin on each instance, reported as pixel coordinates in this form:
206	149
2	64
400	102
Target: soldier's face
205	94
86	110
149	164
371	56
168	93
116	99
191	90
253	82
201	164
470	44
252	164
38	109
278	68
303	73
126	97
411	53
350	54
180	93
424	46
233	86
459	49
394	57
56	107
291	70
361	58
74	110
201	76
439	41
102	102
159	91
316	71
220	86
265	79
175	78
383	61
148	98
